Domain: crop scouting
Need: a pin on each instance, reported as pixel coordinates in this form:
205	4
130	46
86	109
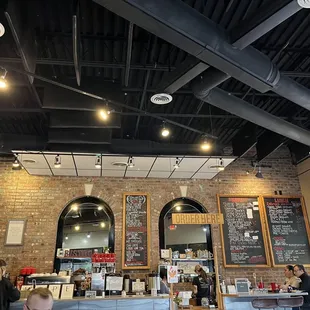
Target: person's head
200	272
2	267
299	270
289	271
39	299
163	274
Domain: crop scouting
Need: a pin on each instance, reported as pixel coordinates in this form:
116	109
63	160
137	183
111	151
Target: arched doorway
85	223
185	236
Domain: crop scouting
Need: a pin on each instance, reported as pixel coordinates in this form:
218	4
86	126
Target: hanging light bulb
57	161
3	83
221	166
177	163
205	145
77	227
165	132
66	237
98	162
104	114
178	208
102	224
88	235
131	163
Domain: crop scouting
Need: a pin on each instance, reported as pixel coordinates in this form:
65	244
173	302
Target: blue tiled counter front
111	303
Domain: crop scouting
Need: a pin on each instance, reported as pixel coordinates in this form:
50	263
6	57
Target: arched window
85	223
181	237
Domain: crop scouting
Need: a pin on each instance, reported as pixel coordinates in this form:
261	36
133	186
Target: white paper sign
55	289
255	208
67	291
246	234
114	284
165	253
172	273
249	213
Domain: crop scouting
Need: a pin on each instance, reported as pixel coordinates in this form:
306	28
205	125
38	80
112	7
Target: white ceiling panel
39	159
107	162
85	162
35	171
191	164
142	163
137	173
181	175
64	172
164	164
66	161
205	175
159	174
113	173
215	162
89	173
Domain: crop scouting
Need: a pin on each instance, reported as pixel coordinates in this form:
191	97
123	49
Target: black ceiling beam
120	65
299	152
267	143
85	136
245	139
76	40
25	42
9	142
64	99
128	55
249	30
77	119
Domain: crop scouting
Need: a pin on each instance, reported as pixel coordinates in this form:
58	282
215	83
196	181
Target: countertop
279	295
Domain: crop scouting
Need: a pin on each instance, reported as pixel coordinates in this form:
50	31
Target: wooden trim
306	219
262	228
148	212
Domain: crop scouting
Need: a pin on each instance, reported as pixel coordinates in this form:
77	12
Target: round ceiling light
161	98
304	3
119	164
29	161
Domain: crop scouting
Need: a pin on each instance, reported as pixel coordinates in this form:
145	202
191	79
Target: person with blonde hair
39	299
8	293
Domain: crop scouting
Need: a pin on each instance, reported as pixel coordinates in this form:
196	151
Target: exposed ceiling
112	62
73	164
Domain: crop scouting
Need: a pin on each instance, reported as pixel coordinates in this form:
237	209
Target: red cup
273	286
260	285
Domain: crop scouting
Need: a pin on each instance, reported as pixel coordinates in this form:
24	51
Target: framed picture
15	232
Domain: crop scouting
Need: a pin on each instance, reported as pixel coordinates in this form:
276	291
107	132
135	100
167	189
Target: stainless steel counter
243	301
109	303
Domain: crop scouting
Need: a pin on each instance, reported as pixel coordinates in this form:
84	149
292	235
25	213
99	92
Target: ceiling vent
304	3
29	161
119	164
161	98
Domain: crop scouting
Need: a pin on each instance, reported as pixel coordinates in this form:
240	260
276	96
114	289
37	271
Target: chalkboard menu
136	231
243	235
288	230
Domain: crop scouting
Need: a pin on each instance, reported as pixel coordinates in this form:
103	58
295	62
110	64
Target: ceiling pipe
253	114
177	23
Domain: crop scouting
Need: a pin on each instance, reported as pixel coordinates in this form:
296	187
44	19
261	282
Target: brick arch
79	200
167	207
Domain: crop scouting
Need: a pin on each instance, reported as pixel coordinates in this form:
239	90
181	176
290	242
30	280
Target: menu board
288	228
243	235
136	231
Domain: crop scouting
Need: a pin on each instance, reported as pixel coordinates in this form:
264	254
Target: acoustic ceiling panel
136	174
33	160
35	171
89	173
66	160
113	173
114	162
205	175
191	164
181	175
64	172
142	163
159	174
85	162
164	164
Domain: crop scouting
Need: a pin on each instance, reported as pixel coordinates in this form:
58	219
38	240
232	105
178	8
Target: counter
109	303
243	301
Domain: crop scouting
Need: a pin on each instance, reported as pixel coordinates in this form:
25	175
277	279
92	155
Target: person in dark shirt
201	284
7	292
300	272
164	289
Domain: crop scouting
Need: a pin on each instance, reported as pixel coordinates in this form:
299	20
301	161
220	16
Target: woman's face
288	273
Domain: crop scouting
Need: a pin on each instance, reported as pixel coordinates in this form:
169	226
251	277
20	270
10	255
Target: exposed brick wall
41	200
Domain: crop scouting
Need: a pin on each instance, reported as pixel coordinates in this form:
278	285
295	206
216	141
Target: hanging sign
197	218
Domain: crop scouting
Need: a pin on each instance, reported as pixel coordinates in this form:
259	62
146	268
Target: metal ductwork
177	23
243	109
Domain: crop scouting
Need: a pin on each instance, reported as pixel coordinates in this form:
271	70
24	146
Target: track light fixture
177	163
205	144
16	163
221	166
57	161
98	162
131	164
259	174
104	114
